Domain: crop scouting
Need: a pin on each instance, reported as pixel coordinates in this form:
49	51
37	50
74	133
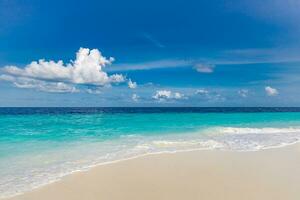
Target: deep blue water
97	110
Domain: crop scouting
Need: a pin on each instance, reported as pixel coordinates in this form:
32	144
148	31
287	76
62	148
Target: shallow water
40	145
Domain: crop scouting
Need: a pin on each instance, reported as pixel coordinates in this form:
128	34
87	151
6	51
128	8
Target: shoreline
91	167
43	191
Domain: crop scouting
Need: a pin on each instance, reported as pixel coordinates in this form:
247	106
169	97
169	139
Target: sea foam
33	170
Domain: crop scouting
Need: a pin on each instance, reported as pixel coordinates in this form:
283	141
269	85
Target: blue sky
165	53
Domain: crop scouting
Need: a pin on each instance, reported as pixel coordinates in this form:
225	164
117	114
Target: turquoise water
37	148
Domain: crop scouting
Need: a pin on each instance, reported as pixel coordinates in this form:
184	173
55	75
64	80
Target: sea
39	146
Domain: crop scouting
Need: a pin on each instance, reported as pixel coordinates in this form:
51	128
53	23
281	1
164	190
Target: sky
149	53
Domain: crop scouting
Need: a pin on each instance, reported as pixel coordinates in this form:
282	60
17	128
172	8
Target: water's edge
144	155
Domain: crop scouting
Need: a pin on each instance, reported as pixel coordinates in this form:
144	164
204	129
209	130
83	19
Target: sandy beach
266	174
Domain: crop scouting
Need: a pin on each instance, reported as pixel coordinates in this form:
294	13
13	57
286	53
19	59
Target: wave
246	130
84	155
224	138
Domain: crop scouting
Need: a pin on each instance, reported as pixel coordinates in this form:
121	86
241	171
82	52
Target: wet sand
207	175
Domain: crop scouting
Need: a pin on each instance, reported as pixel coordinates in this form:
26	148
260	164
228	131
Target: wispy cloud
28	83
157	64
153	40
201	91
243	93
204	68
135	98
93	91
264	55
207	95
283	12
207	64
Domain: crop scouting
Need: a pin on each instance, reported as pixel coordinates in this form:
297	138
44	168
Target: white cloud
243	93
212	96
93	91
157	64
201	92
135	97
162	94
116	78
204	68
132	85
58	87
86	69
5	77
178	95
29	83
166	94
271	91
51	76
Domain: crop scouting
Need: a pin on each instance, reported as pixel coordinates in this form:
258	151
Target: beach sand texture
265	175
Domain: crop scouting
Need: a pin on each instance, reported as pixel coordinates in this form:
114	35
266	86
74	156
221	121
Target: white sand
207	175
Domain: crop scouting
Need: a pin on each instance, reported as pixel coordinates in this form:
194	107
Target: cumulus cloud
135	97
132	85
162	94
86	69
271	91
178	95
204	68
166	94
243	93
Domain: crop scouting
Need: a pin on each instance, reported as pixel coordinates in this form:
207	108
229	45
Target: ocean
40	145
